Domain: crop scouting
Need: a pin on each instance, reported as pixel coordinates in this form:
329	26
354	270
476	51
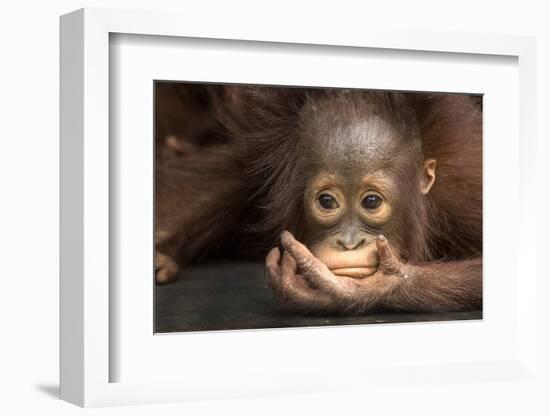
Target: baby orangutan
367	217
379	194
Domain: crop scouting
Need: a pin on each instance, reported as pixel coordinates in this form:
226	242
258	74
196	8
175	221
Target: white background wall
29	185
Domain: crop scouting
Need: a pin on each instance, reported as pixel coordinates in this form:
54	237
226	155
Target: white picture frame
87	301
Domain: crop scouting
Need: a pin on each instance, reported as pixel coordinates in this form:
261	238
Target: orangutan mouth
355	272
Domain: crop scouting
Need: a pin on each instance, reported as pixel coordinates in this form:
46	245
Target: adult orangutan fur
255	177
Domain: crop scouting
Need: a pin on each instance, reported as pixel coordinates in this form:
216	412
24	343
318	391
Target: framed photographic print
244	212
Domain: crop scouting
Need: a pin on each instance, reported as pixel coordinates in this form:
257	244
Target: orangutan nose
351	243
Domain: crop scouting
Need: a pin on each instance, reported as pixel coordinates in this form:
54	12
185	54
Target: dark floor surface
234	295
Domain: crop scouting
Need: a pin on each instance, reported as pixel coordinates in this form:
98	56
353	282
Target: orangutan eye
327	201
371	201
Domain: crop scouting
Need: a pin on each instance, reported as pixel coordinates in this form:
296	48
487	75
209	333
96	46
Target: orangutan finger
307	263
272	268
387	259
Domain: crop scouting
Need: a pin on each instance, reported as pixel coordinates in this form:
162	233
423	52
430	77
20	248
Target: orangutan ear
427	178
